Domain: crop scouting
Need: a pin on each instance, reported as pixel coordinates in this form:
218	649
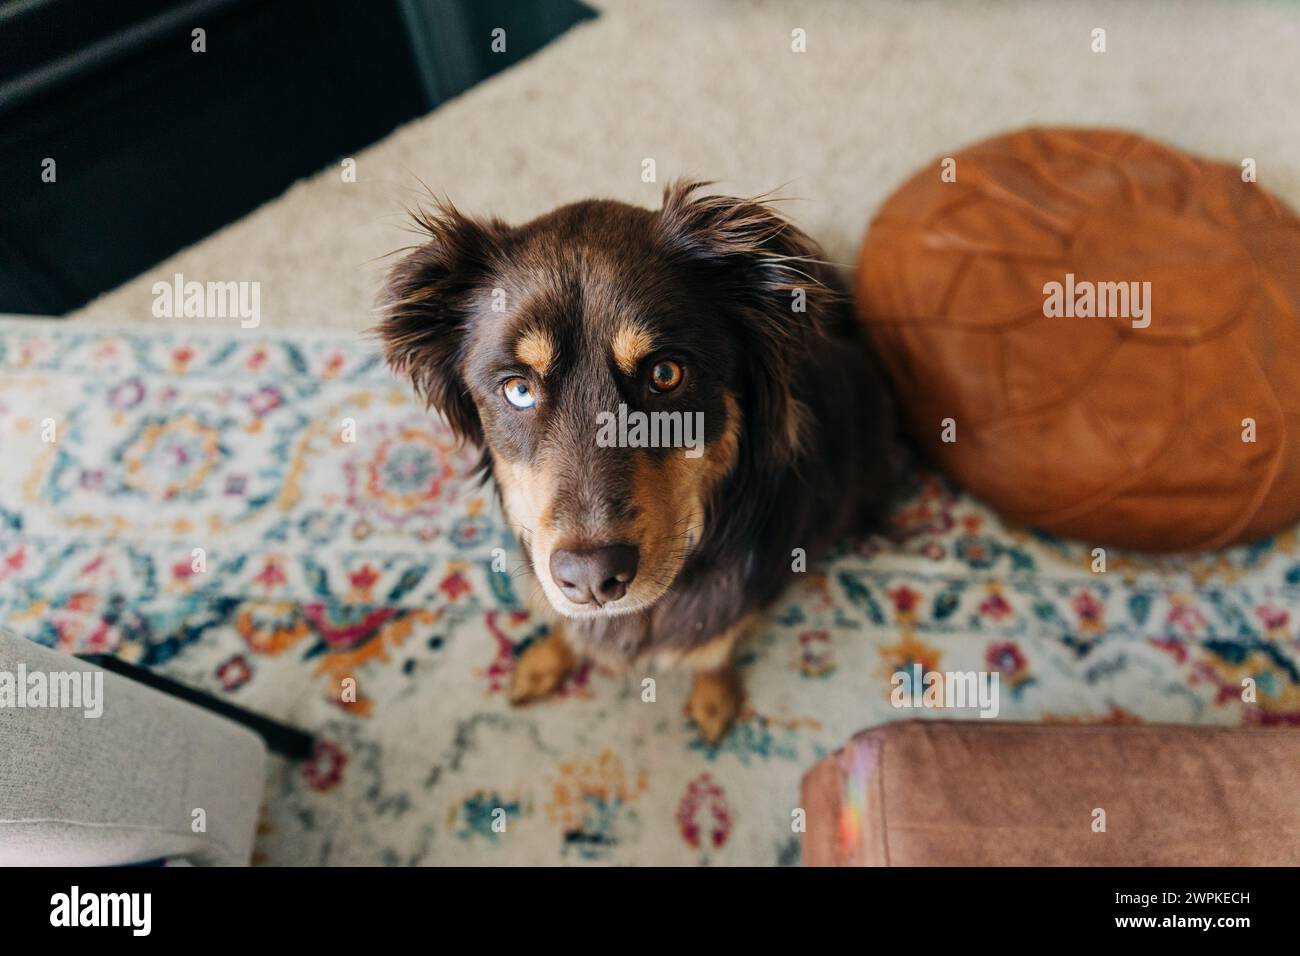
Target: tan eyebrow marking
631	343
536	349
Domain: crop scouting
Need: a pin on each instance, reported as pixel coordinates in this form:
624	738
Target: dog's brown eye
519	392
665	376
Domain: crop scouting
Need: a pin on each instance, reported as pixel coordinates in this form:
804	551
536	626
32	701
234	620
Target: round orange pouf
1096	334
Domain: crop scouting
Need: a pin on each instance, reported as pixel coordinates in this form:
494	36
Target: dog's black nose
594	574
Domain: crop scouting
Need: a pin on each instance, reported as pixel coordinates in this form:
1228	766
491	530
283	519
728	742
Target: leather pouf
1096	334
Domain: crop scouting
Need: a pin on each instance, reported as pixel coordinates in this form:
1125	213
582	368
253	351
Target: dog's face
621	367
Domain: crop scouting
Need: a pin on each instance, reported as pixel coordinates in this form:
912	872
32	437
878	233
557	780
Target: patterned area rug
266	518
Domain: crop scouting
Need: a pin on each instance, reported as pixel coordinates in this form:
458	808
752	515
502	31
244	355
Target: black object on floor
155	145
280	738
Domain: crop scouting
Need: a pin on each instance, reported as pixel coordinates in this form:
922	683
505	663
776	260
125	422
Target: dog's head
554	345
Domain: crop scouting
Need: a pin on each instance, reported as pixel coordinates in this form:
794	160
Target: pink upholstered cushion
974	793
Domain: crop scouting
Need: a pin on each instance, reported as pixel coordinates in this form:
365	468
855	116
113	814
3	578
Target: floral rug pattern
275	520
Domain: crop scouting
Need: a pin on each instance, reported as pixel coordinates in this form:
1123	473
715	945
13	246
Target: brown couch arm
973	793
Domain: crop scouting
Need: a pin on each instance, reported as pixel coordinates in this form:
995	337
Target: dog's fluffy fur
581	304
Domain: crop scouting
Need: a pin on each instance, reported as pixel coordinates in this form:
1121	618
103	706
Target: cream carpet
713	89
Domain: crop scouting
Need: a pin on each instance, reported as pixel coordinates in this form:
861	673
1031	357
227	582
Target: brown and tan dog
530	340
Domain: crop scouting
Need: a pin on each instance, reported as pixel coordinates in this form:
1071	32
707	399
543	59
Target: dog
529	339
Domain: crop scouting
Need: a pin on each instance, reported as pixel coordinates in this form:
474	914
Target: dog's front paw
541	669
715	702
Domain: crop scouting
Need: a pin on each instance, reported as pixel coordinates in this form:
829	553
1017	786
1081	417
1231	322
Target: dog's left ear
428	304
771	276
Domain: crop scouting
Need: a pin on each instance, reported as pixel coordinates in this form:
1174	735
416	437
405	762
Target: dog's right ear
428	304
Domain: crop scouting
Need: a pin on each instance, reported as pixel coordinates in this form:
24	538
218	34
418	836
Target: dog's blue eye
519	392
665	376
